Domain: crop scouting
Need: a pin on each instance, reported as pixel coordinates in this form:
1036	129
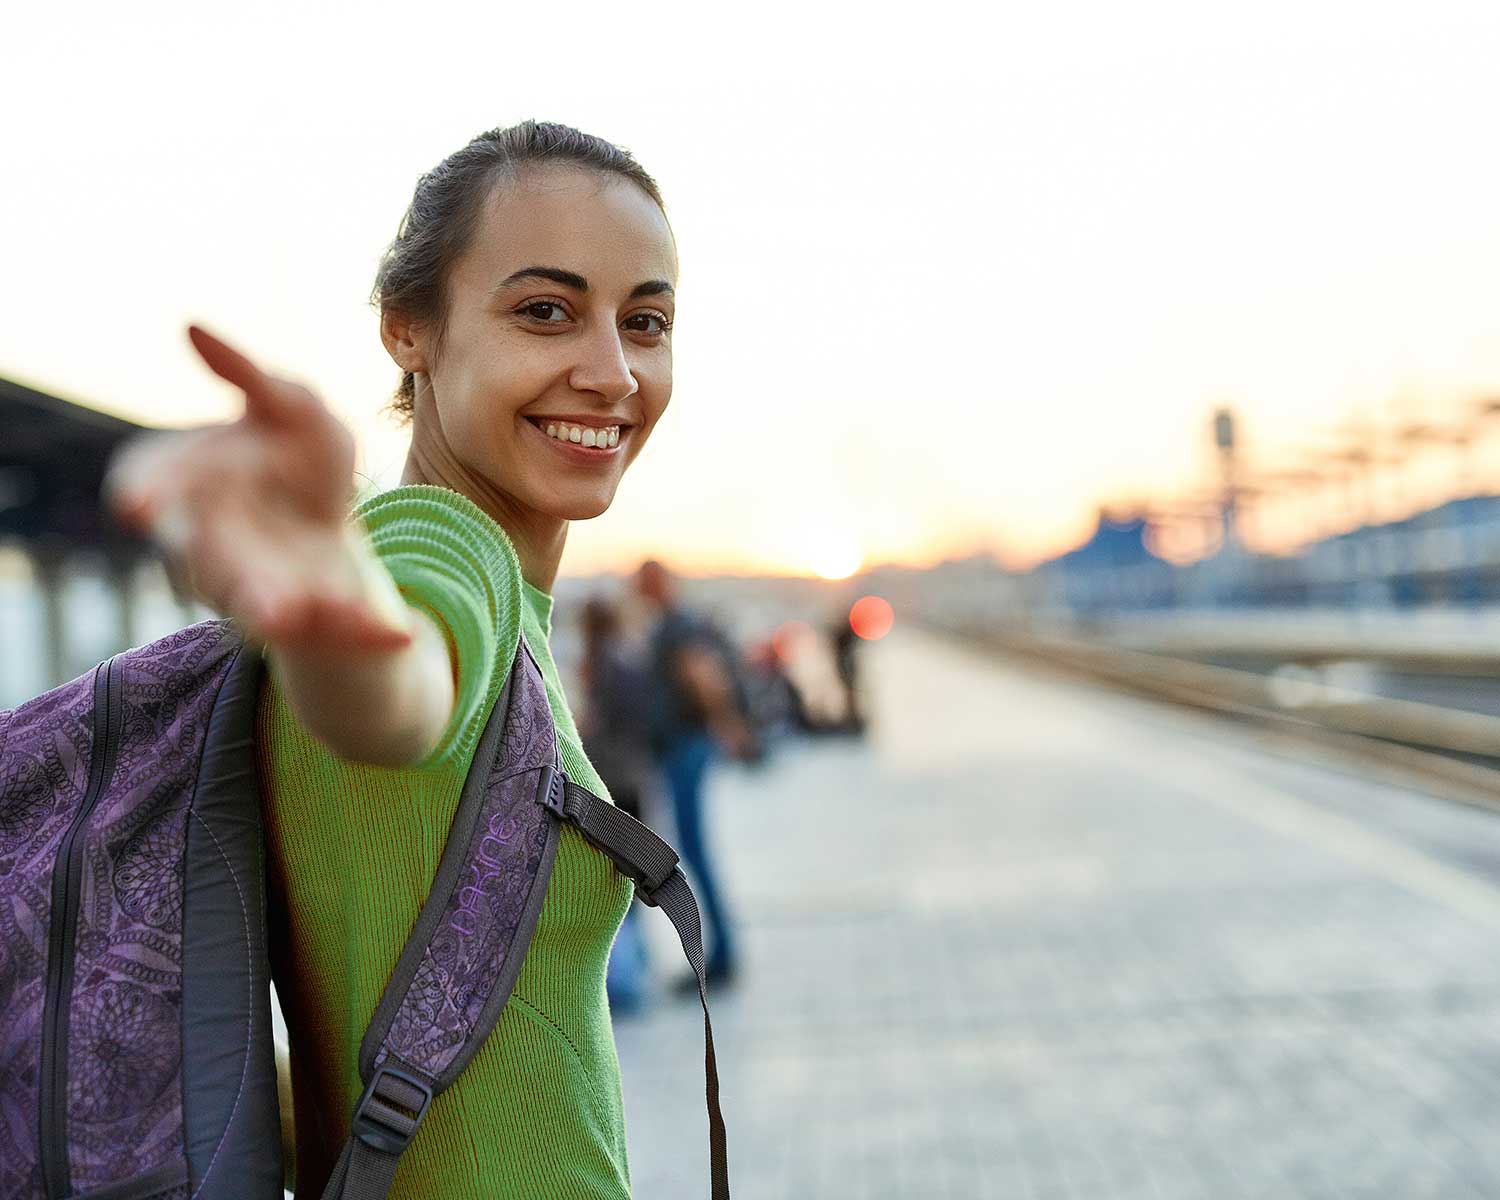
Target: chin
581	508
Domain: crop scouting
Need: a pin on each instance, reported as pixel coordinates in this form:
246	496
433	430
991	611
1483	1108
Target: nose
601	367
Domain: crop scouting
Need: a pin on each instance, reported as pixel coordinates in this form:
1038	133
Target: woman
528	301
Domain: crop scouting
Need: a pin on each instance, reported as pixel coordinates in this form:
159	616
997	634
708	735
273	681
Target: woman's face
559	316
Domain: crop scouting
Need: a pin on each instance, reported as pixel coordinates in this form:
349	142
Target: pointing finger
266	397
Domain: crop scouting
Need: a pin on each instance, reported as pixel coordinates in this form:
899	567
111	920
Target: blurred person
776	707
616	734
845	650
699	711
528	301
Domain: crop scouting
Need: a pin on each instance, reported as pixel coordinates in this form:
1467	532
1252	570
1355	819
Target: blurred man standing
615	726
698	712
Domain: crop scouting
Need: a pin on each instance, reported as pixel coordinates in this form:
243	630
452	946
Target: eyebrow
652	287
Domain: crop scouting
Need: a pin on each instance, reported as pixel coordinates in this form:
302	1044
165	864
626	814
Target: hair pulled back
448	201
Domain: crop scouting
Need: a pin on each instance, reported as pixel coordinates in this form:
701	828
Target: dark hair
448	201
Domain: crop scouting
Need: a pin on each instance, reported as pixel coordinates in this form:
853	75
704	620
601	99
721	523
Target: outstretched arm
257	513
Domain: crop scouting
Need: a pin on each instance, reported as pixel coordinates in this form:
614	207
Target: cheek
491	390
656	390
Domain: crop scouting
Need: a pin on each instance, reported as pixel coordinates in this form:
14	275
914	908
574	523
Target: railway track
1444	750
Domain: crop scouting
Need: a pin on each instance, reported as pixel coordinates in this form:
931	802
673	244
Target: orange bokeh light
871	618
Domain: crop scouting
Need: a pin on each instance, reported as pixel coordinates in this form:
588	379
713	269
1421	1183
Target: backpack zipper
67	883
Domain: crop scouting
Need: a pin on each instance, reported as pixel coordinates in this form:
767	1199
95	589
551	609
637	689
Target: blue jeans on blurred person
625	976
685	765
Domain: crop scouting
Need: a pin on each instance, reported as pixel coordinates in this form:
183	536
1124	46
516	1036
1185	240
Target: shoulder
418	511
449	557
447	540
683	629
677	626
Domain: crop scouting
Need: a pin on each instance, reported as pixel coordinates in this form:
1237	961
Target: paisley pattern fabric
459	970
122	1013
44	769
124	1093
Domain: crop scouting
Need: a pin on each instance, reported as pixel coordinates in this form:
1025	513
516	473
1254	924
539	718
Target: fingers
284	616
329	625
224	360
288	598
144	480
267	398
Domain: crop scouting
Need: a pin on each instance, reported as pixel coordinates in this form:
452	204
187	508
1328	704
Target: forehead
600	226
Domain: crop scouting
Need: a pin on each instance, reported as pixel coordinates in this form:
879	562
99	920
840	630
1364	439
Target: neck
538	537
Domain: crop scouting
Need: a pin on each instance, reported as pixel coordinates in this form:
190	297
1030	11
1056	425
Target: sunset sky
948	282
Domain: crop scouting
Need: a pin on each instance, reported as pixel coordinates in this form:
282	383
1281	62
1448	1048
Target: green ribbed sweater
353	850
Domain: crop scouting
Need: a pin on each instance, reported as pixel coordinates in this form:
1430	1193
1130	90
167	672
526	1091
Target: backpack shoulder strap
463	956
464	953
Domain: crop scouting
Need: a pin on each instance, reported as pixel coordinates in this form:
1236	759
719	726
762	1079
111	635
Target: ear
404	340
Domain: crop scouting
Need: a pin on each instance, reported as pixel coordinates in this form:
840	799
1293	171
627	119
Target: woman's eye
545	310
648	322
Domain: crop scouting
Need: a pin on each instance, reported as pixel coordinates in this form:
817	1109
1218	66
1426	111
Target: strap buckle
388	1114
550	791
648	897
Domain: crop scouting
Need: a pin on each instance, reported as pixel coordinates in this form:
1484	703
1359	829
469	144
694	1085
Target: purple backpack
135	1026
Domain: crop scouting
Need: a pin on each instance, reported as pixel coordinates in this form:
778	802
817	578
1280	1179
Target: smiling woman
528	300
559	309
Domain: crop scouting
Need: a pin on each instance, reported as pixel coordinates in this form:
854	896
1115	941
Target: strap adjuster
388	1114
550	791
648	897
640	855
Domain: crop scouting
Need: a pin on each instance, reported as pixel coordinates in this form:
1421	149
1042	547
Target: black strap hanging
659	882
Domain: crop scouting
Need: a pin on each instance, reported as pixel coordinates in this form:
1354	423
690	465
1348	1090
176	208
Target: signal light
871	618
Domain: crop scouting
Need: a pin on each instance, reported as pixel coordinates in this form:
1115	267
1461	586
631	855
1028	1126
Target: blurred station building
74	587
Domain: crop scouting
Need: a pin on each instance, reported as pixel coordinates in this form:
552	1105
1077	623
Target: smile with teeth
583	435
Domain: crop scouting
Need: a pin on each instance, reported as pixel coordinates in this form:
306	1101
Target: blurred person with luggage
699	710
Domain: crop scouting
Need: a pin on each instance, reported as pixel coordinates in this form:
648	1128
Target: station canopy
53	455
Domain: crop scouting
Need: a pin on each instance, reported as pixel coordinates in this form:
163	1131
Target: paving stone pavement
1034	941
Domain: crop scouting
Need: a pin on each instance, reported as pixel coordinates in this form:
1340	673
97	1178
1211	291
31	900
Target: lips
576	452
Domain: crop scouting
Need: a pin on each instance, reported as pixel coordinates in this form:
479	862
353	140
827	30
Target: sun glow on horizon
833	555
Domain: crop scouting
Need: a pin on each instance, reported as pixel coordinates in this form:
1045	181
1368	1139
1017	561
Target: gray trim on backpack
450	872
505	983
232	1130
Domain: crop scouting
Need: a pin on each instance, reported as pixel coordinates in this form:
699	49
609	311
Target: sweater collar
540	603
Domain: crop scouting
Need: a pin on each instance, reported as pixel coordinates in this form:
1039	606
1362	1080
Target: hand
257	513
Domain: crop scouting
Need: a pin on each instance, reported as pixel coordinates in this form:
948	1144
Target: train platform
1034	941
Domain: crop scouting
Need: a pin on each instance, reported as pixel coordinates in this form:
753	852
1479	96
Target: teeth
584	435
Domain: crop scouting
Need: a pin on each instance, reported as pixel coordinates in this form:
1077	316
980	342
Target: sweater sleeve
450	558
